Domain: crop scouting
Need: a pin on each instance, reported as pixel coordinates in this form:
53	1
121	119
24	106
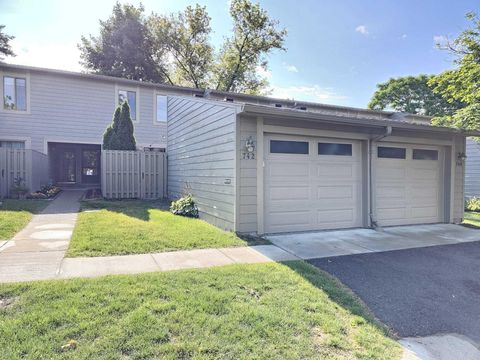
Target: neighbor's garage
408	183
312	183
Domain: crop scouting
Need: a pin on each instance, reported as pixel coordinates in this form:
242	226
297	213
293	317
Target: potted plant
19	190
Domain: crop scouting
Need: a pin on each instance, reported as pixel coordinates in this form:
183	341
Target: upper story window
14	93
162	107
12	144
131	98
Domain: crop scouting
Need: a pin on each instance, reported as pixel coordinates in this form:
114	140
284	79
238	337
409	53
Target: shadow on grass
338	293
140	209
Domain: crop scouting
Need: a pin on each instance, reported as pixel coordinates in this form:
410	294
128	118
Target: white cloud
290	68
265	73
63	56
403	36
362	29
314	93
440	40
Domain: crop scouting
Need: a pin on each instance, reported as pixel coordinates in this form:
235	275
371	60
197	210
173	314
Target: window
131	98
12	144
391	152
334	149
288	147
422	154
162	108
14	93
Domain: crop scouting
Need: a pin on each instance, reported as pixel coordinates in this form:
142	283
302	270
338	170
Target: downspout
371	141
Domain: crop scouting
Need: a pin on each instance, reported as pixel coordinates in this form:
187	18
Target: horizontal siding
248	179
472	169
64	108
201	156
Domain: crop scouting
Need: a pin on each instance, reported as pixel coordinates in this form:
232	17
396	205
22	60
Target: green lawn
472	218
136	227
15	215
262	311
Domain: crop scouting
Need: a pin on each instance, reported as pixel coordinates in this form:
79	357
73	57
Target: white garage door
408	184
312	184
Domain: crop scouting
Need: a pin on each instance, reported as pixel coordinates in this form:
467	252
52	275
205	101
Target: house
254	164
472	169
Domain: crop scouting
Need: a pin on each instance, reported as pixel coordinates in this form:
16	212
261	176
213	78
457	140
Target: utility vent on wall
278	105
228	99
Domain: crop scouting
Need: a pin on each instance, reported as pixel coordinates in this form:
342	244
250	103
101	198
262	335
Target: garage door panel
333	216
289	192
335	170
391	192
388	173
429	212
289	169
335	192
292	217
391	213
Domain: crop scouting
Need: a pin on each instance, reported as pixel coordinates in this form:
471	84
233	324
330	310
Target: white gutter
388	132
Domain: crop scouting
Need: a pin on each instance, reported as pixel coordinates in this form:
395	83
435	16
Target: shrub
472	204
119	134
185	206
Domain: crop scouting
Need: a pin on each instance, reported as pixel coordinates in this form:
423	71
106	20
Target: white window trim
137	99
26	140
25	76
155	122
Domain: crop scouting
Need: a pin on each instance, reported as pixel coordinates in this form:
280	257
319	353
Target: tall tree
123	48
119	135
411	94
462	83
185	38
5	47
255	35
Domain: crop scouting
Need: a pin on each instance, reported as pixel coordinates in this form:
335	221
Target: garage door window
288	147
422	154
391	152
334	149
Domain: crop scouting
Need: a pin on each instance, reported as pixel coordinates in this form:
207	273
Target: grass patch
136	227
472	218
262	311
16	214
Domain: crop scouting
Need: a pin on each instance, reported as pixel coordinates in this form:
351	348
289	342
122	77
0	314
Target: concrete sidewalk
36	252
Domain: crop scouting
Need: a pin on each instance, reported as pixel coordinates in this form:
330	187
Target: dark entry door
67	166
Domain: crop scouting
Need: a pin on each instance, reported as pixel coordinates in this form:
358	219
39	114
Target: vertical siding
72	109
247	178
472	169
201	156
459	181
40	174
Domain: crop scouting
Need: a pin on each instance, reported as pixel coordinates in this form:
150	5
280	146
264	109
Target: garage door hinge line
388	132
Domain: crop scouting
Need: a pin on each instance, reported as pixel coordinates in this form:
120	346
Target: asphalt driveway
417	292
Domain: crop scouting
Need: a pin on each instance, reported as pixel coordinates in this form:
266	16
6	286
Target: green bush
472	204
119	134
185	206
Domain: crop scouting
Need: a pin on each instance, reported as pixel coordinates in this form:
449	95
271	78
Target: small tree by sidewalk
119	134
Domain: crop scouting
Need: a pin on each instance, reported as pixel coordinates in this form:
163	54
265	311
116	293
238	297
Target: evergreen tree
124	138
111	129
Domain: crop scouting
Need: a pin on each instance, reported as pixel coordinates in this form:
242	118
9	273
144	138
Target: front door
91	166
67	166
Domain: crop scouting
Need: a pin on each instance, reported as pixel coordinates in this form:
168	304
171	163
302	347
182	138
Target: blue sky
337	51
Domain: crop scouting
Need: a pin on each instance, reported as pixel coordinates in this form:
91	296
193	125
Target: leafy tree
176	49
5	47
123	48
255	35
411	94
119	134
185	37
462	83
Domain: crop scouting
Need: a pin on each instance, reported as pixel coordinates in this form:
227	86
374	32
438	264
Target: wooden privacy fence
14	163
30	165
133	174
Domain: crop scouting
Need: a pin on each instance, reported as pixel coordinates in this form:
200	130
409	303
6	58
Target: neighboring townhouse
472	169
254	164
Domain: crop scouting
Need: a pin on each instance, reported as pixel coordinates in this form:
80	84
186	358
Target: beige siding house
254	164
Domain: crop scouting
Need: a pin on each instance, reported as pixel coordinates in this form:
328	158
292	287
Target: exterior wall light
461	157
